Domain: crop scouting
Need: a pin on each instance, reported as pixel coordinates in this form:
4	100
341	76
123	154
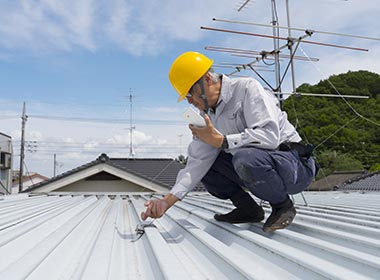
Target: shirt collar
225	91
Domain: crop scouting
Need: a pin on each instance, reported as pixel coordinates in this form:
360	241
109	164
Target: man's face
194	97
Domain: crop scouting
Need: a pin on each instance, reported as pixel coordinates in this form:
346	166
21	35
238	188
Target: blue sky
70	60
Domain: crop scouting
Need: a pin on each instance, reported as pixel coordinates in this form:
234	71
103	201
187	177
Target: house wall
6	153
102	186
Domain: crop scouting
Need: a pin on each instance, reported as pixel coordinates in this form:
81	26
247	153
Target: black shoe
281	217
238	216
247	210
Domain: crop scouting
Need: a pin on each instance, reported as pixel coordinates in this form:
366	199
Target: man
247	143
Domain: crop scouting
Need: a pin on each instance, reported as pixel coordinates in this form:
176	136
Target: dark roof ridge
6	135
362	177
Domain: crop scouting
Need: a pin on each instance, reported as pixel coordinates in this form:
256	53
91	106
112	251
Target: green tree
346	126
375	167
331	161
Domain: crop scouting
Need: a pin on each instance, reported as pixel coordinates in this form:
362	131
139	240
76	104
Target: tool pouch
303	150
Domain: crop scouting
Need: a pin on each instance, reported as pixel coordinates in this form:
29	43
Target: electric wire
335	132
27	172
2	185
107	120
357	115
297	124
337	91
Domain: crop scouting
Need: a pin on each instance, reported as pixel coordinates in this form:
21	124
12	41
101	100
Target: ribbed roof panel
336	236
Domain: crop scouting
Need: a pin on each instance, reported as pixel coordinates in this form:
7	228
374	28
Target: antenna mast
290	47
276	44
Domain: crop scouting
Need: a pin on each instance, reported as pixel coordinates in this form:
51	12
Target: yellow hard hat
186	70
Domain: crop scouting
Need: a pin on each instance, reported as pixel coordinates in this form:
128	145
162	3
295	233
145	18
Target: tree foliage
345	126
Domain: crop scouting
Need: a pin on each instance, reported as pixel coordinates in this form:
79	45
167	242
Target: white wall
103	186
6	173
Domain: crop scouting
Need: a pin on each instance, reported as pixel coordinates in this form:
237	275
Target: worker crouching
247	145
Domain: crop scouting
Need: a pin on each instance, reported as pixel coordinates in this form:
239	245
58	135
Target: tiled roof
367	182
160	171
93	237
163	171
334	180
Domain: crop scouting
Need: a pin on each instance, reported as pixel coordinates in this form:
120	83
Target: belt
304	150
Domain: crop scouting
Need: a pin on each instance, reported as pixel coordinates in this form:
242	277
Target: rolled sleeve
201	156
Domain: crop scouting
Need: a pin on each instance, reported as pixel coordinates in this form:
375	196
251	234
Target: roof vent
103	158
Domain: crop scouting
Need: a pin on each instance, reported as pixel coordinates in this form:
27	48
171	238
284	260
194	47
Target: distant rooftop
366	182
335	180
162	171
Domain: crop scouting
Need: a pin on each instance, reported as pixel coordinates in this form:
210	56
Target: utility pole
55	165
24	118
131	127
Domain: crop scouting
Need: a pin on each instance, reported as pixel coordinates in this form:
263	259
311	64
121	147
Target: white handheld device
192	117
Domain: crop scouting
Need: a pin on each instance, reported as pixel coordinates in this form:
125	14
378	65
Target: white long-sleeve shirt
249	116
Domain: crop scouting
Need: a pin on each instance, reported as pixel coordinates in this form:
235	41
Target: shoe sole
279	225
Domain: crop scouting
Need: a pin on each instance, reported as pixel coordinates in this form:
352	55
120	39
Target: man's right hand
155	208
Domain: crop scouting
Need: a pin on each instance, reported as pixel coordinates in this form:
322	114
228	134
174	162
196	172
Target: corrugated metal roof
90	237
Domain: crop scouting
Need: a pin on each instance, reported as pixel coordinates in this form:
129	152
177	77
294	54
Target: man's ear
208	79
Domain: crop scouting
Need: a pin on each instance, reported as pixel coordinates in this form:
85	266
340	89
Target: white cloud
91	145
162	109
46	25
135	26
35	135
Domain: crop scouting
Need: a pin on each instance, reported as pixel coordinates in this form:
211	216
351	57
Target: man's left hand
208	134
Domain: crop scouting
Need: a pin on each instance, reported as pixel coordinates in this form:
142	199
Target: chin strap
203	96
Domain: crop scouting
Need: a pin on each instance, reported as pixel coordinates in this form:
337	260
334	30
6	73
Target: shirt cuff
179	191
234	141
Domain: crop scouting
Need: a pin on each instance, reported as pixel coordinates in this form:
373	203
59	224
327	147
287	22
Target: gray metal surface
90	237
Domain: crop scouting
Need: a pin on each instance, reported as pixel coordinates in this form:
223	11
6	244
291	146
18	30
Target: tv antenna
291	44
131	126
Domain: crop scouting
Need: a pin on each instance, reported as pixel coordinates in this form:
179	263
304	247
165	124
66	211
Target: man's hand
155	208
208	134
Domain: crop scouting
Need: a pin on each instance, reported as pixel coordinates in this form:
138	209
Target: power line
107	120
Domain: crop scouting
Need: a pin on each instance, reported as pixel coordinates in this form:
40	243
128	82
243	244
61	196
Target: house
28	180
115	175
6	152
